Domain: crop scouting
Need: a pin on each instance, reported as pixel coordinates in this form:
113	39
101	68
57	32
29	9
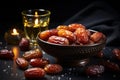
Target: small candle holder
13	36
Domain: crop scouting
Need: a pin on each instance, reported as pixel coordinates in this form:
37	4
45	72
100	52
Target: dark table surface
10	71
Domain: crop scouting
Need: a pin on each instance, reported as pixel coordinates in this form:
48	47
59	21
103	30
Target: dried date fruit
96	37
74	26
67	34
6	54
100	54
88	32
24	44
75	33
33	54
44	35
65	27
81	36
39	62
94	70
111	66
58	40
116	53
90	42
22	63
53	32
53	68
34	73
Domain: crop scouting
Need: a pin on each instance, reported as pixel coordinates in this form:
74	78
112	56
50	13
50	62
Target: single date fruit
53	68
34	73
67	34
59	27
22	63
94	70
116	53
81	36
33	54
73	26
44	35
39	62
24	44
96	37
100	54
6	54
58	40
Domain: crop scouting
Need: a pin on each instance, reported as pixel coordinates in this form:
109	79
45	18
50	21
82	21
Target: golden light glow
15	32
25	23
36	13
16	52
36	23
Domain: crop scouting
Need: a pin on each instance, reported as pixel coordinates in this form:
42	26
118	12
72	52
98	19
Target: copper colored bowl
70	53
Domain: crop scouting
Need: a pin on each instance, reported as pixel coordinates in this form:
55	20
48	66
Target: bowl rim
99	43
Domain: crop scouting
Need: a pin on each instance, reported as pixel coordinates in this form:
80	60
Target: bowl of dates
71	42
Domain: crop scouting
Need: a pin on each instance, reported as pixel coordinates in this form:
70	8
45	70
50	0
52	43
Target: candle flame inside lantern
36	13
36	21
15	32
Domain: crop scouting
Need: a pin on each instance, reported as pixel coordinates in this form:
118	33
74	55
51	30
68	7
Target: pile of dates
31	62
72	34
105	65
35	66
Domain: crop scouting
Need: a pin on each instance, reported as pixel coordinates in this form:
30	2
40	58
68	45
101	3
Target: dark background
61	11
10	12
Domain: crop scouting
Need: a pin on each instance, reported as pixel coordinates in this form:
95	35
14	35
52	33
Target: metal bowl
71	53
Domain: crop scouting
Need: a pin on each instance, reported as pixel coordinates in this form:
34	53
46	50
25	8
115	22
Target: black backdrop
10	11
61	10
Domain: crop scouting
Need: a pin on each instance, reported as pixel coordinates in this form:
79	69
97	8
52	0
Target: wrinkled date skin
100	54
44	35
39	62
81	35
6	54
24	44
94	70
72	27
53	68
96	37
111	66
22	63
33	54
67	34
65	27
116	53
58	40
34	73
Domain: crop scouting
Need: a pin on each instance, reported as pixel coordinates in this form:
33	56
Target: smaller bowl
71	53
